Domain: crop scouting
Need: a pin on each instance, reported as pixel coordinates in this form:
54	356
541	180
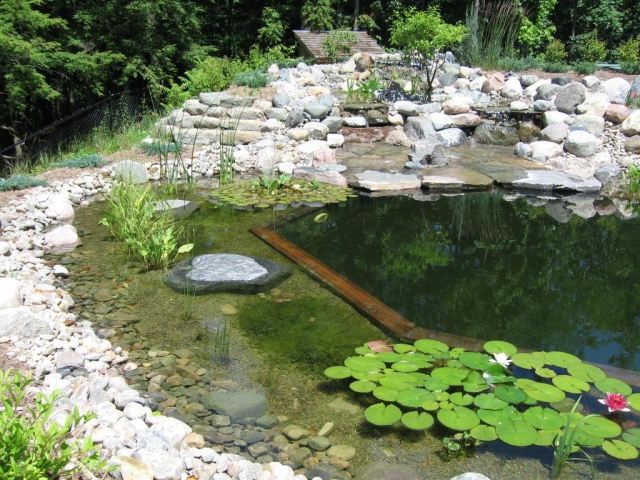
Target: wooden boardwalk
312	44
380	313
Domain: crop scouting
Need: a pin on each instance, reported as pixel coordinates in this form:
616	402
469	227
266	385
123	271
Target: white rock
10	293
581	144
631	126
405	108
335	140
518	106
317	130
5	248
61	239
456	106
60	271
541	151
170	429
355	121
554	117
617	89
132	469
60	208
512	88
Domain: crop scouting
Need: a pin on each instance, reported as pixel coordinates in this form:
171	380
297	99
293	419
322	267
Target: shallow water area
419	252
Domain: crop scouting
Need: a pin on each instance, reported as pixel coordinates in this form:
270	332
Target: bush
519	64
339	44
629	56
34	446
318	15
263	59
131	218
585	68
83	161
555	52
556	67
588	48
160	148
252	78
20	182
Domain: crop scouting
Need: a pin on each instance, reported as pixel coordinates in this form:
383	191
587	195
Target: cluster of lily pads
250	193
521	399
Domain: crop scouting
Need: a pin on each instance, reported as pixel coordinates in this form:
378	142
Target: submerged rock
179	208
387	471
237	405
378	181
225	272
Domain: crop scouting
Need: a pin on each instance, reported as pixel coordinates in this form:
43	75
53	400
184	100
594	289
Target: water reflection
541	273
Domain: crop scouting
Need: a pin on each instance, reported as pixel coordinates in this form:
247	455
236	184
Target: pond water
400	249
479	266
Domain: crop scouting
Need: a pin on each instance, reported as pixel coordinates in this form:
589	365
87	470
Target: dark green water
479	266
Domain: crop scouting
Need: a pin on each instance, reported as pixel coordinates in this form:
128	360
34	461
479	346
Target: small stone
318	443
267	421
194	440
132	469
294	432
326	429
343	452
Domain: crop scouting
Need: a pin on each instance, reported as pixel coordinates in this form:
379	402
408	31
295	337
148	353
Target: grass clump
160	148
554	67
34	446
519	64
585	68
252	79
149	237
20	182
92	160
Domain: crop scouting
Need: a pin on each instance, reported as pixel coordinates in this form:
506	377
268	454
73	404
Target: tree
318	16
41	65
272	30
423	36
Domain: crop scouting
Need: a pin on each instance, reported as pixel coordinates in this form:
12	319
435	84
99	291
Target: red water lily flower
616	402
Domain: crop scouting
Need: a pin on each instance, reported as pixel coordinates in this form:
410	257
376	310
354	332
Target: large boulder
452	137
494	83
546	91
541	151
632	144
570	96
455	106
307	150
512	89
22	322
130	171
321	174
594	104
419	128
10	293
489	133
225	272
178	208
631	126
61	239
554	117
581	144
616	113
425	152
593	124
440	121
617	89
60	208
555	132
317	110
237	405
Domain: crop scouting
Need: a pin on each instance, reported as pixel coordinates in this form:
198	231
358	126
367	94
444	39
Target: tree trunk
356	14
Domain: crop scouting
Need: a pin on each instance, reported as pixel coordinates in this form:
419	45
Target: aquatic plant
519	398
266	192
221	342
148	236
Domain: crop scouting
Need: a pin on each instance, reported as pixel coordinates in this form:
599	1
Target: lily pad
390	357
510	394
474	382
382	415
586	372
488	401
364	364
517	433
475	360
585	440
435	384
546	438
362	386
385	394
562	359
613	385
543	418
545	372
450	375
540	391
600	427
430	405
337	373
414	397
394	383
632	436
620	449
403	348
529	361
634	401
494	417
405	366
566	405
570	384
458	418
364	351
459	398
498	346
417	420
484	433
428	345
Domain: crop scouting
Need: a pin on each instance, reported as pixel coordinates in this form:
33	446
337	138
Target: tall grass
148	236
493	28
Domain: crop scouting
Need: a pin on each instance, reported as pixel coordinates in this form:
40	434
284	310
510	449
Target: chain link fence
112	113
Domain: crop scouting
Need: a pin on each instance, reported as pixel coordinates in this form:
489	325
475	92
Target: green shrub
83	161
633	179
252	78
318	15
585	68
131	218
630	68
339	44
519	64
20	182
34	446
555	52
281	55
160	148
629	56
588	48
556	67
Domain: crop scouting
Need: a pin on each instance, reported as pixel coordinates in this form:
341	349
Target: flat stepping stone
549	180
454	178
225	272
179	208
375	181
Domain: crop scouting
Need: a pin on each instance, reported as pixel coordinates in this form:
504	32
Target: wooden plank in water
382	314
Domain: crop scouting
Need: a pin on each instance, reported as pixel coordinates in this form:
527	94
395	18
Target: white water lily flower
501	359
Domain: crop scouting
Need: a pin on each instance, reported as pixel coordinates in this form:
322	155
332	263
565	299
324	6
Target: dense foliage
57	57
